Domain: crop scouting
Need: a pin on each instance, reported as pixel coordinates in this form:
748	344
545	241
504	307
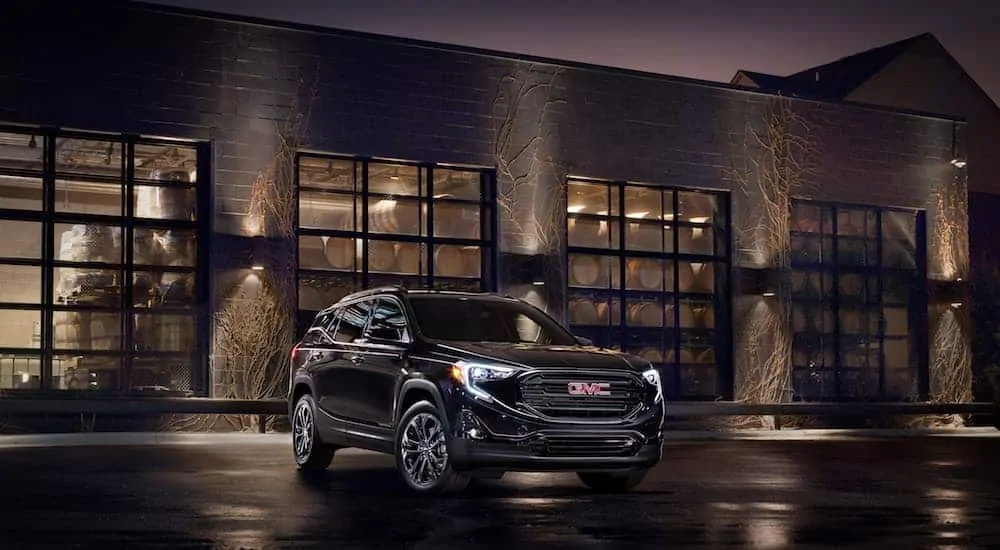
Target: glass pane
165	203
591	198
646	313
162	374
322	173
395	257
333	253
90	157
457	184
457	220
594	308
395	216
87	330
170	247
20	372
168	162
22	328
20	239
96	287
86	372
163	289
20	284
696	277
316	292
84	197
164	332
457	261
696	207
855	222
20	193
91	242
811	218
642	203
697	314
21	151
594	271
696	240
393	180
812	249
648	274
593	232
326	211
649	236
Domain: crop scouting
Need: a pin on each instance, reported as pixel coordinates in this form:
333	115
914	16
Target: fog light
470	426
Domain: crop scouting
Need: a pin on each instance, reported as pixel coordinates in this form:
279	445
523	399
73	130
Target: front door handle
357	359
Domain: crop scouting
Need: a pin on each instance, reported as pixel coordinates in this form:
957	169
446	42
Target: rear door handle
357	359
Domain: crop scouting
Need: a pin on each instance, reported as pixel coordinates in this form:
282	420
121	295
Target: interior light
257	267
768	294
958	163
700	219
575	209
538	283
637	215
956	304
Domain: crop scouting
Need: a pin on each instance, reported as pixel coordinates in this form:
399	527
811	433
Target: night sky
705	39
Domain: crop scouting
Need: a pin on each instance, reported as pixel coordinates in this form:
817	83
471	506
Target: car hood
543	356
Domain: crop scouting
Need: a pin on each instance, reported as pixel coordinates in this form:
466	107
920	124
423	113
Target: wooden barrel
381	256
448	262
645	314
586	312
340	253
588	232
586	271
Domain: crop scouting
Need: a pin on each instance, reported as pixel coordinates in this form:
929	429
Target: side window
321	329
389	321
352	321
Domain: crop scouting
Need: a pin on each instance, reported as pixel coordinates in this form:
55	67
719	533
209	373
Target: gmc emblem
589	388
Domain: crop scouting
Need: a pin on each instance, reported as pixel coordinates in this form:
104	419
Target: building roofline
147	6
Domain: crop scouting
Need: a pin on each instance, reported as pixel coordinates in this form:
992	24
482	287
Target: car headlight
471	375
653	377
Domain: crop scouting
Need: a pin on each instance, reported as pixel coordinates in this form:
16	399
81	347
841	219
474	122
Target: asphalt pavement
233	491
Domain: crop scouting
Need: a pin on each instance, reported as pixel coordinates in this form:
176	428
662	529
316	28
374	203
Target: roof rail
375	290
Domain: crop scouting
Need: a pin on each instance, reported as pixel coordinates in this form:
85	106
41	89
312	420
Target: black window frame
360	274
917	303
618	335
49	217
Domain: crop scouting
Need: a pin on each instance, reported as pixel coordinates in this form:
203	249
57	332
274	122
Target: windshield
471	319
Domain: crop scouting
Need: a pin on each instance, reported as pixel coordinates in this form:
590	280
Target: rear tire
612	482
311	454
421	451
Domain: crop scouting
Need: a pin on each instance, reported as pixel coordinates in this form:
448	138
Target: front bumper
489	437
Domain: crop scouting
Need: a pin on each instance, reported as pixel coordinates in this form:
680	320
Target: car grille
549	394
590	446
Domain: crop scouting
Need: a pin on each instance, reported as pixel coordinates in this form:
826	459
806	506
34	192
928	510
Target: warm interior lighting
956	304
700	219
538	283
257	268
575	209
958	163
768	294
637	215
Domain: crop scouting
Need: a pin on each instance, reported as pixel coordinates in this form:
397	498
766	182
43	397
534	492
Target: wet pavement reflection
913	493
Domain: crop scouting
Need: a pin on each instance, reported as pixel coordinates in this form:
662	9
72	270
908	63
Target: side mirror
583	341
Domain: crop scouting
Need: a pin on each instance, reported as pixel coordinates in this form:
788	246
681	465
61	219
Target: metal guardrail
277	407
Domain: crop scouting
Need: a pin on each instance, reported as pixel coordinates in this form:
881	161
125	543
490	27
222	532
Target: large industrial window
365	223
99	250
648	274
857	287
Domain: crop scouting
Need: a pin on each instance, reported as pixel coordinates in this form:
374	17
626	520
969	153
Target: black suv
462	385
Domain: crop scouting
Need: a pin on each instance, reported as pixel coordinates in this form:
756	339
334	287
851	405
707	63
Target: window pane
811	218
649	236
457	184
594	271
163	289
352	321
20	372
20	193
164	332
592	198
393	180
593	232
90	242
170	247
457	261
648	274
88	157
172	373
22	328
165	202
82	197
457	220
329	174
643	203
20	284
594	308
87	330
331	211
86	372
396	257
20	239
21	151
96	287
389	316
395	216
328	253
168	162
696	207
647	312
696	240
317	292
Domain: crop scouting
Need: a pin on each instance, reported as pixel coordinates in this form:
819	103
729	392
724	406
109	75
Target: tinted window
352	321
467	319
389	316
322	327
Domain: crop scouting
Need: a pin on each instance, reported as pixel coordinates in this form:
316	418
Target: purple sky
707	39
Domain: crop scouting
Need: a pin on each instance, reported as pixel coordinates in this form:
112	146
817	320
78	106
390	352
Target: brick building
162	168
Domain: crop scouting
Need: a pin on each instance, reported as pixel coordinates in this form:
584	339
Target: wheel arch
419	389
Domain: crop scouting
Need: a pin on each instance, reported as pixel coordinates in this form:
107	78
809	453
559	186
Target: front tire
422	452
612	482
311	454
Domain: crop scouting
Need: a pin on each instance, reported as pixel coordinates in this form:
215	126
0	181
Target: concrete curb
173	438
